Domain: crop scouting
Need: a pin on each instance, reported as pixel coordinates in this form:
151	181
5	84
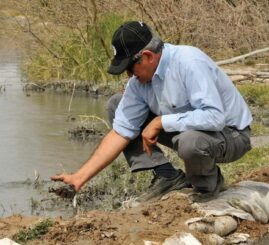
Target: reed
74	37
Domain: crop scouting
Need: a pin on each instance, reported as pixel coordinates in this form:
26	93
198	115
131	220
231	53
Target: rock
215	239
151	243
221	226
236	238
131	203
7	241
107	234
181	239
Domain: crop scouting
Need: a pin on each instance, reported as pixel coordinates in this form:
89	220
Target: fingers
147	145
147	148
59	177
68	179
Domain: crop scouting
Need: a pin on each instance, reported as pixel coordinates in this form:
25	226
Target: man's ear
150	55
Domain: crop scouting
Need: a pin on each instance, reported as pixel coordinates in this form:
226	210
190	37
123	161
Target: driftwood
241	75
241	57
248	73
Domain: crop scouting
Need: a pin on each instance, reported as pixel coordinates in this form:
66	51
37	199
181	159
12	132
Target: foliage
74	36
259	129
114	185
35	232
255	94
76	58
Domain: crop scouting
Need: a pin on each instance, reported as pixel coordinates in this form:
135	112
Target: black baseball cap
128	40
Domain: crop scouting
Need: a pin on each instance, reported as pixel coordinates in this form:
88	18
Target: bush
35	232
74	36
76	58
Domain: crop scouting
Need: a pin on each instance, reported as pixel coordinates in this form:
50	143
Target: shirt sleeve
131	113
204	96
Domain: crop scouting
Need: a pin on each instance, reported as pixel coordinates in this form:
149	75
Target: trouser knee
196	150
112	105
189	144
199	151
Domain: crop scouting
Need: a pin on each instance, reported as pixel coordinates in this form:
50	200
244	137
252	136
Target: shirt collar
163	63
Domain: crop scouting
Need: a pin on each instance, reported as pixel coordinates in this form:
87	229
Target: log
248	73
241	57
243	75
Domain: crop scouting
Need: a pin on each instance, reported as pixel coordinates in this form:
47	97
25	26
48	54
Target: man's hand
70	179
150	134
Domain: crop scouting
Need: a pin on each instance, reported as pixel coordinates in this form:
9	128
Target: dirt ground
153	221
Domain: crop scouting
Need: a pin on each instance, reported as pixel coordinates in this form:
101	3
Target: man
176	96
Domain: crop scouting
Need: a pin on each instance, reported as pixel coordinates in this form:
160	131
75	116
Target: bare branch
96	26
37	38
241	57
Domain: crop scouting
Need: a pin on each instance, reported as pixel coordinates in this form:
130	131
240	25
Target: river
34	138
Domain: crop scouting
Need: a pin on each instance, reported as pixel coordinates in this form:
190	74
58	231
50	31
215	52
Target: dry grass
75	35
223	28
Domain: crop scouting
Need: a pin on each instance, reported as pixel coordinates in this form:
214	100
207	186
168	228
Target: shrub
35	232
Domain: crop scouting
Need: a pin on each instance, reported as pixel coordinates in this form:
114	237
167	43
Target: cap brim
118	66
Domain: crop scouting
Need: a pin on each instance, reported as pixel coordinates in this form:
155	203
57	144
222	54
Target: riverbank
70	87
153	221
96	222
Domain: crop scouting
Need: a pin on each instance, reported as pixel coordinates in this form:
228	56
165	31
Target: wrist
79	179
158	122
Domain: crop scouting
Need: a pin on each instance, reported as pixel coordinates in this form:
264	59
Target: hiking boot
202	195
161	185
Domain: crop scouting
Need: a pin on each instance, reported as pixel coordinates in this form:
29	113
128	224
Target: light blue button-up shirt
188	90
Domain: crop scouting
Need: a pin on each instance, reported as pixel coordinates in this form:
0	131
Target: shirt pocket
175	108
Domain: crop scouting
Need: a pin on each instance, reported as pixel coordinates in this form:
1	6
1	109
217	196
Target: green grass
112	186
258	129
254	159
35	232
255	94
116	183
82	58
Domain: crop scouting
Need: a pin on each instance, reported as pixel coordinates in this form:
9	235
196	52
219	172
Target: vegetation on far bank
71	40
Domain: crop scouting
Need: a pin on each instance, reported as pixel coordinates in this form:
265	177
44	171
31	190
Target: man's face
144	69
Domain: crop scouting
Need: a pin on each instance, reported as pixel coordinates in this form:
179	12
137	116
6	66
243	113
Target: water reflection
34	135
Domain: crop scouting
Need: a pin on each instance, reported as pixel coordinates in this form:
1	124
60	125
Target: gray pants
200	150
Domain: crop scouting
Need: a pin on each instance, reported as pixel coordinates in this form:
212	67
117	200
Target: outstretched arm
110	147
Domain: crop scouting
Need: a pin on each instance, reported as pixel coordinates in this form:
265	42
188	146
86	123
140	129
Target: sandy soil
153	221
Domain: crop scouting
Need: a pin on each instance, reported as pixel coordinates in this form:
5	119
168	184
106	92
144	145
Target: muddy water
34	137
